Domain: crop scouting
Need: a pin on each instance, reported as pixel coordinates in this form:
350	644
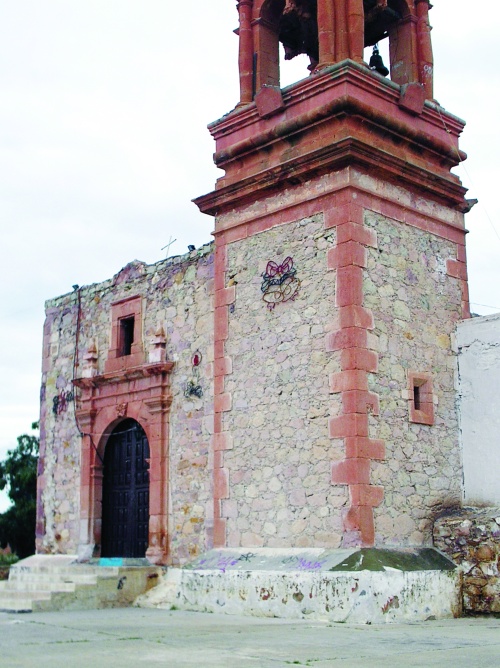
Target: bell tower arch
330	31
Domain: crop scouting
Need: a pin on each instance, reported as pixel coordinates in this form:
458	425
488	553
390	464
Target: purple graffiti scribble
301	564
218	562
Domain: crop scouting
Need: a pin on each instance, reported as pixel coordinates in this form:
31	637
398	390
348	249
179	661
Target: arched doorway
125	501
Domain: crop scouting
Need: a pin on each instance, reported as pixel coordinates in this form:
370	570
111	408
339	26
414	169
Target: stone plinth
358	586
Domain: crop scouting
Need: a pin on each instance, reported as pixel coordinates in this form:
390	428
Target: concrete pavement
133	636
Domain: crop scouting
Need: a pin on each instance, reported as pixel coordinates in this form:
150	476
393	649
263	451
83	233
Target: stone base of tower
356	585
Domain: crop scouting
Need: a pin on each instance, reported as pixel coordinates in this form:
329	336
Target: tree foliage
18	473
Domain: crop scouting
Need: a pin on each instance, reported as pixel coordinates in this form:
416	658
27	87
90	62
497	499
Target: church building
290	385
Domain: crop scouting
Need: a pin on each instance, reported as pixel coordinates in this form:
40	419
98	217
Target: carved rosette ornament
121	410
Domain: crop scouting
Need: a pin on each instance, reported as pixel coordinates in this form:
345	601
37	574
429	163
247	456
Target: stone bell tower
340	276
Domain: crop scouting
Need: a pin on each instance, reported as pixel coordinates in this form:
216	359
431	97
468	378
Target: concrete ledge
311	584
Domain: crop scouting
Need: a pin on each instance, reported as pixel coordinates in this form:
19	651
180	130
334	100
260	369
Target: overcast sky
103	144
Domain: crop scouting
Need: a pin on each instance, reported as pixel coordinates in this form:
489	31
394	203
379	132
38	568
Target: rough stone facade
471	538
279	471
279	467
415	305
176	297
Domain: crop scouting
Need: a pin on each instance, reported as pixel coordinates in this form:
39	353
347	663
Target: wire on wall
75	367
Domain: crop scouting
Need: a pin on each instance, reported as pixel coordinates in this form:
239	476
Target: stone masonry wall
176	295
279	466
471	538
415	305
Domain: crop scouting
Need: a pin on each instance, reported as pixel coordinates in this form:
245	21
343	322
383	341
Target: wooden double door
125	510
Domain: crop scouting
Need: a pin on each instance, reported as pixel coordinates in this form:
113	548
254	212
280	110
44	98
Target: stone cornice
124	375
324	83
345	115
349	151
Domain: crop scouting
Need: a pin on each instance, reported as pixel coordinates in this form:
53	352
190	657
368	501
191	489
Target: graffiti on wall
221	561
193	387
60	402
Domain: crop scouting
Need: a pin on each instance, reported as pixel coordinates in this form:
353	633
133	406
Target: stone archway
141	394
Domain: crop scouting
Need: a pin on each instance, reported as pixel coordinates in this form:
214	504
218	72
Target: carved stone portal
143	394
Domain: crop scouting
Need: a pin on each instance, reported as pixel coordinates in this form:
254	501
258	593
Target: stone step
20	601
16	605
52	561
36	595
19	571
47	586
44	583
41	578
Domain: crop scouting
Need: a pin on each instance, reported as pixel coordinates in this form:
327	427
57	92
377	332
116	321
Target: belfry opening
330	31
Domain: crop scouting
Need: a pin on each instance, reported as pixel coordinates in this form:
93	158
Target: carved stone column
159	474
245	56
424	48
86	417
349	30
356	29
326	32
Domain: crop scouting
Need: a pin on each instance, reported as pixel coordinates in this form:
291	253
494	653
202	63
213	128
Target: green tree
18	474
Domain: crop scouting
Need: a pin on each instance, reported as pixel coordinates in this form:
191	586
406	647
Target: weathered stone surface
279	468
177	305
415	305
471	538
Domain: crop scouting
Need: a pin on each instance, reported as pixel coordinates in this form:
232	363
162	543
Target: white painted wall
478	342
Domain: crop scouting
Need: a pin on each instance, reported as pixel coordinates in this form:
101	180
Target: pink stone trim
222	441
351	379
424	414
265	219
125	308
223	366
349	286
143	394
348	259
458	269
